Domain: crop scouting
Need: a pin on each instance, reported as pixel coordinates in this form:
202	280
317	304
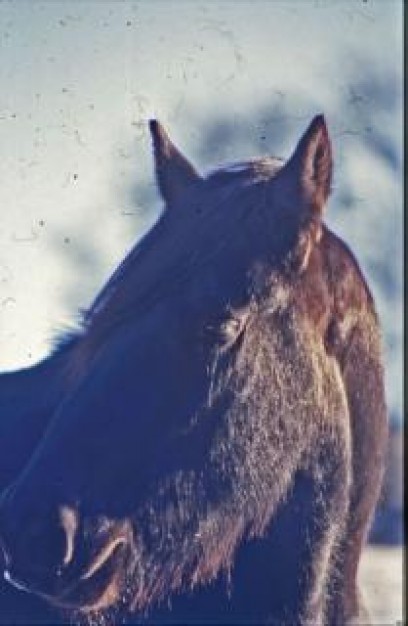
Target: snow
381	576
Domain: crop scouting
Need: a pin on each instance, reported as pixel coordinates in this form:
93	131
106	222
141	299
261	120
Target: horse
208	446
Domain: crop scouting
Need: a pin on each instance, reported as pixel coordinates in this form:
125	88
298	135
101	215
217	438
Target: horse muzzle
70	561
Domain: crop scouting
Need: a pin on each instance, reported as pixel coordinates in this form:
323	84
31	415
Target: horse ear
310	167
174	173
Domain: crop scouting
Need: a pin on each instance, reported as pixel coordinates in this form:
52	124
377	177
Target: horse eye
225	331
230	328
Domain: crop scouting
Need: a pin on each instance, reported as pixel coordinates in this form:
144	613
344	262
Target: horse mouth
99	585
96	587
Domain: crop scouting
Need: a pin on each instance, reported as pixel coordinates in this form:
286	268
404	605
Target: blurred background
230	80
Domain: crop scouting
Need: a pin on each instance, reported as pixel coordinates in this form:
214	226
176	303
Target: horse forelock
262	168
225	181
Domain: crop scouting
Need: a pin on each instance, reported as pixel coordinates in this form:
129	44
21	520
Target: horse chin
86	599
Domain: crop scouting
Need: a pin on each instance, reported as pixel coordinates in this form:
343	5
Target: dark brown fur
220	414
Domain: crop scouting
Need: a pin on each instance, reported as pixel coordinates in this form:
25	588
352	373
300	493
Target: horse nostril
38	545
50	541
42	548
